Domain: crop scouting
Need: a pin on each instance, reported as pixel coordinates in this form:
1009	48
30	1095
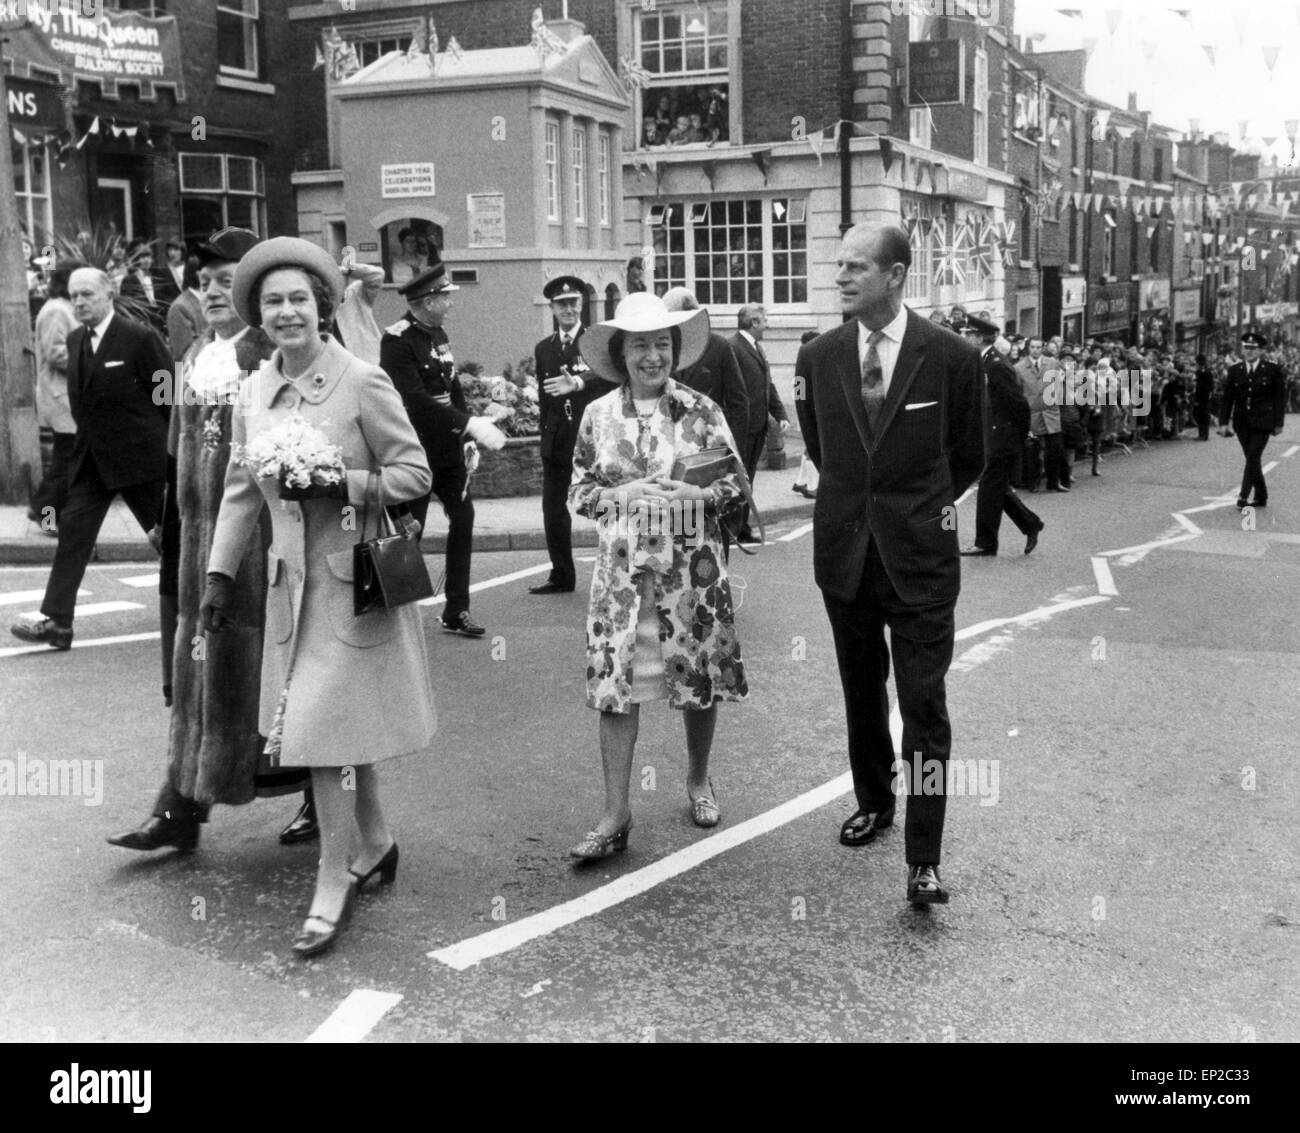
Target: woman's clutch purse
702	469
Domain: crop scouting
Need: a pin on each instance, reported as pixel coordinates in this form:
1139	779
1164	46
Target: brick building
160	127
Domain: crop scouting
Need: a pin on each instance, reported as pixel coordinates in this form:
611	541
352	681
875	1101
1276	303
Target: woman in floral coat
660	623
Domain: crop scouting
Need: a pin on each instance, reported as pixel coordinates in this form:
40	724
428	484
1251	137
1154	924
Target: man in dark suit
1008	415
416	354
890	406
565	387
1254	404
717	374
118	375
747	345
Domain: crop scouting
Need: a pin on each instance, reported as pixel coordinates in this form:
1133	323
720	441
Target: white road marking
142	581
508	937
1105	582
121	639
1142	548
355	1017
966	494
1269	467
1292	451
797	533
466	953
1187	523
19	597
90	609
488	584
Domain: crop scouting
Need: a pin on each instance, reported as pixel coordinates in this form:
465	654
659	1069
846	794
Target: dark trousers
1054	467
1202	415
921	638
79	524
996	497
1253	442
558	523
752	449
449	486
53	492
1031	464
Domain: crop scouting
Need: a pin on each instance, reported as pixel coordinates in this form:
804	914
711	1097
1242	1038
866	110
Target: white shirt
97	332
886	348
754	343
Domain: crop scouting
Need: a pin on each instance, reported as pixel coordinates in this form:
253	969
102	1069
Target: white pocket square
110	365
920	405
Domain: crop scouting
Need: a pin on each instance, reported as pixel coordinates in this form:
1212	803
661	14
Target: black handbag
702	469
388	570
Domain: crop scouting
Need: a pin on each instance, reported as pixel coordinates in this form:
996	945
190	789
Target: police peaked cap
565	287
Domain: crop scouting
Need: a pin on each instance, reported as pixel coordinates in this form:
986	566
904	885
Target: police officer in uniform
1254	404
1008	425
565	387
416	354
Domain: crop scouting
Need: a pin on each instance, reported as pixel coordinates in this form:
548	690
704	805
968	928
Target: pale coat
697	633
1043	392
360	688
54	322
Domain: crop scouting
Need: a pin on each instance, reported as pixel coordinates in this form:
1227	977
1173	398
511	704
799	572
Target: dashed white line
797	533
89	643
1292	450
488	584
355	1017
1269	467
1105	583
141	581
19	597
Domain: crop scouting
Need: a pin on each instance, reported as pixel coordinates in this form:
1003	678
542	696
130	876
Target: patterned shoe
42	631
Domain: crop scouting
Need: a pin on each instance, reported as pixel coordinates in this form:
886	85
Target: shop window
237	32
409	247
732	252
552	171
685	49
579	173
32	188
918	213
603	179
220	189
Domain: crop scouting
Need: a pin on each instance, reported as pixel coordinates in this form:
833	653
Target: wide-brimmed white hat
642	313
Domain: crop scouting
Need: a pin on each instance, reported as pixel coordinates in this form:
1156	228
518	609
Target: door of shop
114	206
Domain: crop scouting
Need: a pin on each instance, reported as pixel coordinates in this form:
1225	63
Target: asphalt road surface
1122	864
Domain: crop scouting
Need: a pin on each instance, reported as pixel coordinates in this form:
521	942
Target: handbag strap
748	491
372	485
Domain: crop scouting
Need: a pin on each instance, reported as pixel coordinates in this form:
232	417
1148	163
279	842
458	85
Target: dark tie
565	342
873	380
87	354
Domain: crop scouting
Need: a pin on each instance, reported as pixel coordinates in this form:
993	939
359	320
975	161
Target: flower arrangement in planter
510	402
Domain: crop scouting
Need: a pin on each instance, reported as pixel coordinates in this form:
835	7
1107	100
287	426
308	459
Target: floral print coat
682	552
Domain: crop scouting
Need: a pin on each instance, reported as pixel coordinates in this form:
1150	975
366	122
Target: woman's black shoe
310	943
304	826
386	867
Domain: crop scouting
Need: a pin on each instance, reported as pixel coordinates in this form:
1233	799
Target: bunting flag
455	50
1292	124
1208	48
1207	238
1187	238
1241	17
1150	230
886	152
320	59
816	141
1113	17
763	159
1186	13
1089	46
1270	57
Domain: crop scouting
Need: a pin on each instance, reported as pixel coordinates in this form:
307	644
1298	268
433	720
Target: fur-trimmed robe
214	746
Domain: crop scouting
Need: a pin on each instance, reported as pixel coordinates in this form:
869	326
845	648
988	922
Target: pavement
511	524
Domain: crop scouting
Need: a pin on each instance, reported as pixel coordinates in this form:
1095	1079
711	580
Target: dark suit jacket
717	375
561	416
431	392
1008	407
892	487
122	405
762	395
1255	401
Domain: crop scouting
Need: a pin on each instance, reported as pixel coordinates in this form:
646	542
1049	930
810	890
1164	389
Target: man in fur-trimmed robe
214	748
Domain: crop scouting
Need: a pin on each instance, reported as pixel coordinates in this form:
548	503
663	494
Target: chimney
1132	102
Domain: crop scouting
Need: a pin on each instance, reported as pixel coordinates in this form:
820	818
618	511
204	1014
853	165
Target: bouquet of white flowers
298	455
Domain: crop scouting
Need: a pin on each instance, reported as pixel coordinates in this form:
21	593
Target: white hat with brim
643	313
281	252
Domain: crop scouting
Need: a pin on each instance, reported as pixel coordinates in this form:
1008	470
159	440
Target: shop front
1153	313
1277	320
1074	302
1110	312
1187	316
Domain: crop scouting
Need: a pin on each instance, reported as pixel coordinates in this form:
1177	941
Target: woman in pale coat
339	693
660	622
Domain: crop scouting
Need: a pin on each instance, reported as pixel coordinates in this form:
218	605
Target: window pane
201	171
672	26
718	57
200	217
239	173
240	211
672	57
695	56
20	168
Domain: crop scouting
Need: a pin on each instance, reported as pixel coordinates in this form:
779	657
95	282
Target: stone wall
514	471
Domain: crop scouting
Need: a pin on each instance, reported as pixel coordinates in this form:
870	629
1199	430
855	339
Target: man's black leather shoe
157	833
862	827
1031	540
977	551
550	588
923	886
304	826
